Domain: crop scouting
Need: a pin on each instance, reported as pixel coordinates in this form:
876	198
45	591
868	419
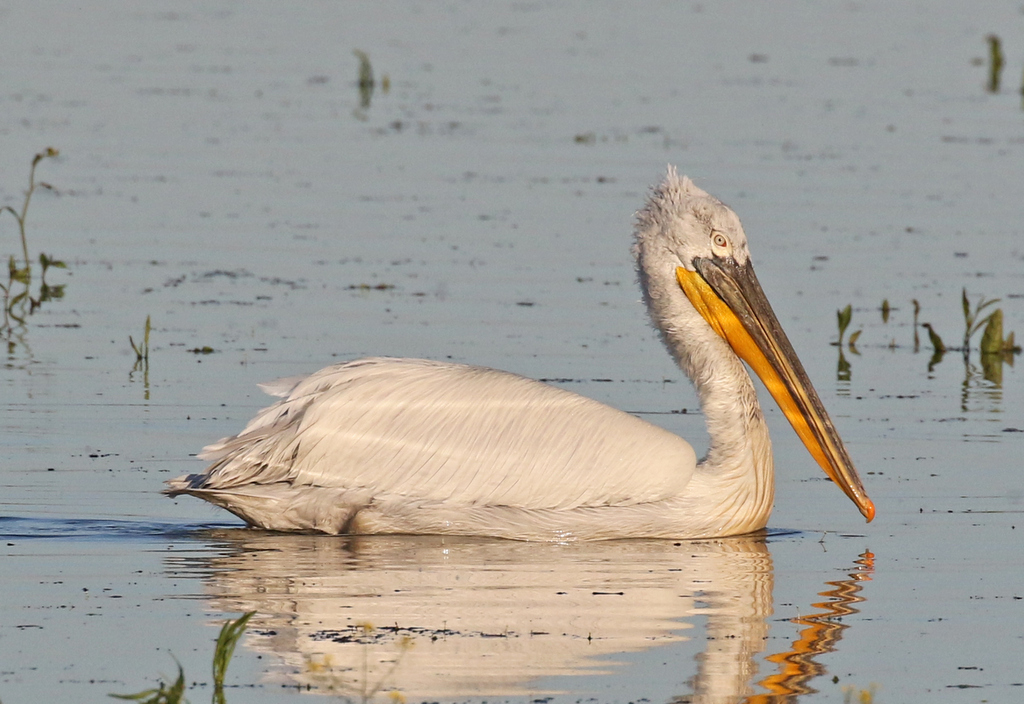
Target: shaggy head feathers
679	221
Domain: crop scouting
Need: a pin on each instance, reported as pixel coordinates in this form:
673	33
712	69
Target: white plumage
413	446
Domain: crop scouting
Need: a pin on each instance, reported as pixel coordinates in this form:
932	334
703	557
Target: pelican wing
449	433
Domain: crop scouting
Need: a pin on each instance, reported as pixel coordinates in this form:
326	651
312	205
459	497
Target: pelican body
385	445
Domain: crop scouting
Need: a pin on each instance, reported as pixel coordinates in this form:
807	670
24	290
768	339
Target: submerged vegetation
18	301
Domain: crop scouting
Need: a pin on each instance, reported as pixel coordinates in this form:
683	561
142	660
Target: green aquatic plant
230	633
843	318
14	305
852	344
934	338
366	82
14	275
48	153
992	340
972	317
995	62
18	304
938	347
142	350
164	693
844	372
917	312
996	349
46	291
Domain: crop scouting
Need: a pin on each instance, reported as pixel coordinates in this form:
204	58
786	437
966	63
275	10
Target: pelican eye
719	240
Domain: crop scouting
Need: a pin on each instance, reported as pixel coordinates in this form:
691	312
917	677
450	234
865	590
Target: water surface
221	172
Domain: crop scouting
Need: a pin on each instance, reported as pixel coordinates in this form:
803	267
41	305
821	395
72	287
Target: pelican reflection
443	617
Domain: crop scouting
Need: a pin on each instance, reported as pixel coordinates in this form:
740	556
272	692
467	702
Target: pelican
383	445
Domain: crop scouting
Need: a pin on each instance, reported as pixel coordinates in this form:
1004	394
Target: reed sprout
367	83
852	342
995	62
843	316
972	317
142	350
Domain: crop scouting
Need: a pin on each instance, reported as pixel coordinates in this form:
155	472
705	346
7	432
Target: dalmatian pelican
385	445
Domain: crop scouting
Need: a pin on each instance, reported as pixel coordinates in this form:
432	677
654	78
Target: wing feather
453	434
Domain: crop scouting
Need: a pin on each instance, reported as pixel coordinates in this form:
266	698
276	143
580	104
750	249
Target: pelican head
703	296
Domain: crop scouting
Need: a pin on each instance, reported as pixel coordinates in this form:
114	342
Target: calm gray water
221	173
